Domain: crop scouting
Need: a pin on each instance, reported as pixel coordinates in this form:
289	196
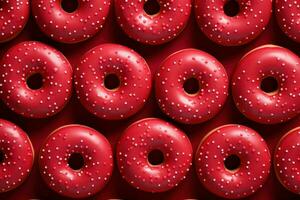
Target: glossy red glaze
18	156
73	27
153	29
14	15
96	152
130	68
250	21
288	17
24	60
268	107
223	142
144	136
118	188
287	160
182	106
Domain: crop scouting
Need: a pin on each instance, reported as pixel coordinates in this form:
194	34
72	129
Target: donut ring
155	29
274	62
172	96
86	180
250	21
25	60
14	15
65	27
130	69
226	141
137	142
17	156
286	160
288	17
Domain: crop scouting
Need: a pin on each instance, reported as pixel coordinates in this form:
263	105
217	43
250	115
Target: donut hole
2	156
69	5
152	7
191	86
269	84
76	161
232	162
112	82
231	8
35	81
156	157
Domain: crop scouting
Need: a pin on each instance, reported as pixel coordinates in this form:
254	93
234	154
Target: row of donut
88	18
125	94
133	155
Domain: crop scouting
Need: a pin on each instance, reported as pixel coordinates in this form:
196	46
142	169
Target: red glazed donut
130	90
73	27
16	156
233	161
250	21
14	15
79	179
286	160
153	29
29	59
142	139
268	106
209	75
288	17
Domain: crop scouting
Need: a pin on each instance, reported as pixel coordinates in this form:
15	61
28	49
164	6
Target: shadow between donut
282	39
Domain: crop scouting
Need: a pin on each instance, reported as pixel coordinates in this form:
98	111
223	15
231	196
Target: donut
153	155
233	161
210	86
14	15
288	17
71	26
22	63
112	81
275	104
76	161
16	156
286	160
153	28
233	29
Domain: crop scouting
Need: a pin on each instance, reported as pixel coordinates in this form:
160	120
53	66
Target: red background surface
191	37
